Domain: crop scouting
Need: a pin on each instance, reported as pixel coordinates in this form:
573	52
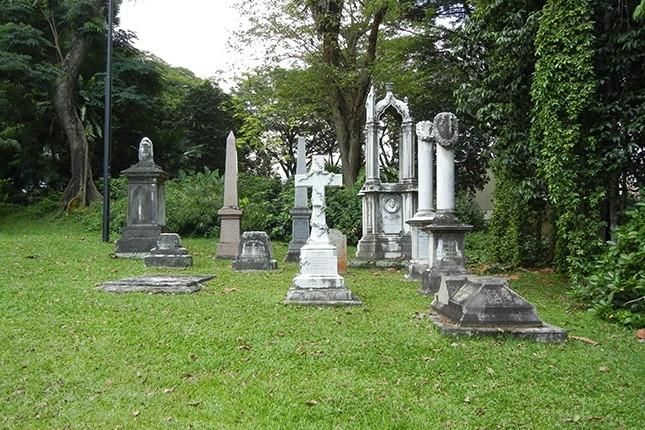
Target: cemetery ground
234	356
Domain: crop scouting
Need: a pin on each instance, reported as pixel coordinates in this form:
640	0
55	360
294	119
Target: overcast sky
187	33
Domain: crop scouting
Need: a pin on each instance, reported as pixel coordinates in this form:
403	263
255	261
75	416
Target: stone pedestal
146	218
230	213
420	239
318	282
300	213
486	305
254	253
445	252
229	235
169	253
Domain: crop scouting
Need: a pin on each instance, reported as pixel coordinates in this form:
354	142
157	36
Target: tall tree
339	39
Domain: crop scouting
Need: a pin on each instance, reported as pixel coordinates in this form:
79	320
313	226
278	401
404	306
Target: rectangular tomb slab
173	284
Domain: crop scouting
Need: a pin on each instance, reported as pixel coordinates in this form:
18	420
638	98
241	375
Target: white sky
188	33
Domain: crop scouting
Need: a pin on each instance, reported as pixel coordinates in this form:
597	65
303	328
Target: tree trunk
80	190
347	101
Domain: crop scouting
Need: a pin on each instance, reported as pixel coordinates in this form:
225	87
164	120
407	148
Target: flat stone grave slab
545	333
171	284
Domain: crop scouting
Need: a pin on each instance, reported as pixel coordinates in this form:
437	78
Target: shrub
467	210
614	284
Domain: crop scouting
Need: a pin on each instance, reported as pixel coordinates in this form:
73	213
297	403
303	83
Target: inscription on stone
391	215
424	239
448	249
317	263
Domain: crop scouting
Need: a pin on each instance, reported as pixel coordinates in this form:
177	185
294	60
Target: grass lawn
233	356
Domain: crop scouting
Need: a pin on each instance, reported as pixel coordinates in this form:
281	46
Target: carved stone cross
317	179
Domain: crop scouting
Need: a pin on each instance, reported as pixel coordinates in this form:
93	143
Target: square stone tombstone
169	253
254	252
339	240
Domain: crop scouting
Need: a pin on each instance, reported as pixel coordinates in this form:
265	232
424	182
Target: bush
614	284
344	211
266	203
467	210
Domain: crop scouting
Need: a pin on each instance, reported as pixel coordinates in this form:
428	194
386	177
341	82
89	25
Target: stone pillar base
299	232
137	240
318	283
229	233
389	247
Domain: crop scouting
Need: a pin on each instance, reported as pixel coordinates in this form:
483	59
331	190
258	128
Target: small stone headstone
168	253
339	240
254	252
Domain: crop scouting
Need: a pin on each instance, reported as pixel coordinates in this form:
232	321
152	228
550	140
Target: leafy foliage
615	282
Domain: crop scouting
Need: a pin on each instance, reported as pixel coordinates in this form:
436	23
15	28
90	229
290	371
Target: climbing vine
562	94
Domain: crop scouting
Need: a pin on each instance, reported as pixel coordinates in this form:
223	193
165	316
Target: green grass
74	357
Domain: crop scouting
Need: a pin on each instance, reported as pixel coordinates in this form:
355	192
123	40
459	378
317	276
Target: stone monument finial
146	154
446	129
389	88
424	130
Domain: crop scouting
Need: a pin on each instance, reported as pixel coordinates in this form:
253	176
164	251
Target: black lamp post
107	131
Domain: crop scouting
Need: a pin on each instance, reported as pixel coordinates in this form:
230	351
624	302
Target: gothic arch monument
386	238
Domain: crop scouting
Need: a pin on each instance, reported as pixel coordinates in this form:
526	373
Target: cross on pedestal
317	179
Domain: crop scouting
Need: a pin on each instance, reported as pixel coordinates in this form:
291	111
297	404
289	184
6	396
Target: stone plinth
229	236
169	253
445	252
254	252
318	282
146	218
172	284
418	264
300	213
486	305
299	232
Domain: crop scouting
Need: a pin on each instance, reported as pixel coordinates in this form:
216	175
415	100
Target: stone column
372	174
446	246
230	212
300	213
445	134
425	214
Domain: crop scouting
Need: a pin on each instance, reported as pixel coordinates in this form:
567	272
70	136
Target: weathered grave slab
172	284
486	305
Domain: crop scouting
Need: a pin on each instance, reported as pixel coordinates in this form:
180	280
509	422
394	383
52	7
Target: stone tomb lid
173	284
483	301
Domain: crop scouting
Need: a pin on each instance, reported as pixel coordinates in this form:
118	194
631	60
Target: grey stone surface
386	206
230	213
146	218
486	305
318	282
254	252
169	253
300	213
339	240
446	252
172	284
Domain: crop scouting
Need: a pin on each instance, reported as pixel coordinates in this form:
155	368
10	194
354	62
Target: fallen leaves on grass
603	369
135	413
169	390
584	339
640	334
194	402
229	290
312	402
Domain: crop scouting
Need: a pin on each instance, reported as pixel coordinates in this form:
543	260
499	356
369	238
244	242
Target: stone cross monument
318	282
446	232
230	213
300	213
425	213
146	218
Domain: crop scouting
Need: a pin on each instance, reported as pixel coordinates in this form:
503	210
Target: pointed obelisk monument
318	282
230	214
300	213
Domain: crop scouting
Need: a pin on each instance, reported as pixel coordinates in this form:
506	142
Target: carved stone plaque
391	214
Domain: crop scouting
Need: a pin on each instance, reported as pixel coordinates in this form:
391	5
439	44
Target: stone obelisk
300	213
230	213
